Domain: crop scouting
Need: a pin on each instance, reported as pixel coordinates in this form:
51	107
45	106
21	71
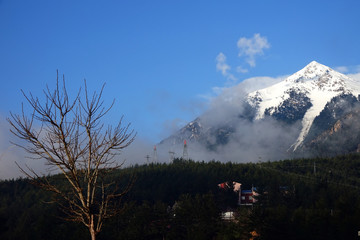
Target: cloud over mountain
244	123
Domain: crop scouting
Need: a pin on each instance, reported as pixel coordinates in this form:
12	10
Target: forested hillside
298	199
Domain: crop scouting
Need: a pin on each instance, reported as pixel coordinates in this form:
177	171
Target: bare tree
71	138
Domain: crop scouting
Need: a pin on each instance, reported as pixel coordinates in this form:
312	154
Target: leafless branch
70	136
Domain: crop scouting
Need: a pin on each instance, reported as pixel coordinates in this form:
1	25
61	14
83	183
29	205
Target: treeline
298	199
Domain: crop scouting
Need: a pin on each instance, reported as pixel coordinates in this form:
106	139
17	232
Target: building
246	197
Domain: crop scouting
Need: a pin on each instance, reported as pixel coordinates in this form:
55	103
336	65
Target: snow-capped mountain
306	92
295	115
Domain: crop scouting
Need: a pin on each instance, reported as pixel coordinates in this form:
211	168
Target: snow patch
318	82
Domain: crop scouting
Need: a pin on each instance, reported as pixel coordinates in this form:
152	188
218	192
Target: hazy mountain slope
282	119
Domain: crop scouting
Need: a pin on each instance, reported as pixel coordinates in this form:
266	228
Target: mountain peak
283	118
316	83
315	63
311	71
316	68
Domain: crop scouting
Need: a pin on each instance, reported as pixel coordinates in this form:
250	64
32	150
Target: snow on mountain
315	82
304	114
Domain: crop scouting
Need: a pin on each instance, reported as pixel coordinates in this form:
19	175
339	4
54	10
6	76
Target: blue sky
162	60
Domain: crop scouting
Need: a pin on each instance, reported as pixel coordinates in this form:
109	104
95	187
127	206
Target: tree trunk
93	235
92	229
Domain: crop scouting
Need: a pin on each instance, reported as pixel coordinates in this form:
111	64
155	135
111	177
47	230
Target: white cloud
236	92
342	69
349	70
249	141
256	83
252	47
355	76
240	69
224	68
221	64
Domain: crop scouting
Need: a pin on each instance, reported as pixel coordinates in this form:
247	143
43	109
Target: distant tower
155	157
147	159
185	155
172	152
172	155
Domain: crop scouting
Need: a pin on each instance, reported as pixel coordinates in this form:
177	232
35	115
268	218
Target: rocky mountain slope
310	111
